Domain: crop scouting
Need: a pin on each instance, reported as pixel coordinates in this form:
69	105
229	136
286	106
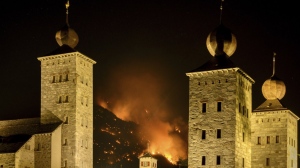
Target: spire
67	12
66	35
274	54
221	11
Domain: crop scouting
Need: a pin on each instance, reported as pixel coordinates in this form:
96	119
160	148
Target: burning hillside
119	143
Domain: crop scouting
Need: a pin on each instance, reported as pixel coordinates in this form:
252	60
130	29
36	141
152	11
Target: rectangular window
53	79
294	143
66	163
268	139
203	134
277	139
267	161
218	160
203	160
243	110
243	137
219	106
38	147
258	140
243	162
66	99
66	120
203	107
66	142
218	133
240	107
60	78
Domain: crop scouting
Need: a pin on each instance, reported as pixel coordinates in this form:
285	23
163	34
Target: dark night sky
161	40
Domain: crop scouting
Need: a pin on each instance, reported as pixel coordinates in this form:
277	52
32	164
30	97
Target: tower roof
62	50
217	62
269	105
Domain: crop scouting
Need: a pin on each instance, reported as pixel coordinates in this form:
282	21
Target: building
147	161
224	131
63	135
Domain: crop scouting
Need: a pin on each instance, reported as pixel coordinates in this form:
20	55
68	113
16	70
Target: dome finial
67	12
221	10
274	54
273	88
67	35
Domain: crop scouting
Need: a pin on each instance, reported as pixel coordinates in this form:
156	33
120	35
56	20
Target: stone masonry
67	94
219	118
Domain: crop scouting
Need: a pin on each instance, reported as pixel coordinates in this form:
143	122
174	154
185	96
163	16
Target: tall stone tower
274	128
220	100
67	95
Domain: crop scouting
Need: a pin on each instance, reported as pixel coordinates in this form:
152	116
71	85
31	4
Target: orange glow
141	98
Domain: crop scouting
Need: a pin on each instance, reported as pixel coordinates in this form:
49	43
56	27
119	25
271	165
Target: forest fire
163	135
140	94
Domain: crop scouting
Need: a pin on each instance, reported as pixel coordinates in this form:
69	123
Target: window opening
203	134
218	133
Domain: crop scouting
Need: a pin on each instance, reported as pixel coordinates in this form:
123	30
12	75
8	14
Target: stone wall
274	137
7	160
226	88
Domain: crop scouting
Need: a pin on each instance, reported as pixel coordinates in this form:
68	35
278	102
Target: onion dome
221	41
66	35
273	88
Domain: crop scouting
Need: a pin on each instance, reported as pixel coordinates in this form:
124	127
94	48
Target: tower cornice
220	71
45	58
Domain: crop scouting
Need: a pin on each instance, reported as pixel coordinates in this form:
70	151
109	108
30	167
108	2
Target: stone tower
274	128
67	95
220	100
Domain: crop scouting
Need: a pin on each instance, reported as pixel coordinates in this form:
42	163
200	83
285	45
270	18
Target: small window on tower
219	106
203	107
59	99
218	133
203	160
66	99
259	140
243	162
60	78
277	139
218	160
268	139
66	142
53	79
203	134
243	137
267	161
67	77
66	120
